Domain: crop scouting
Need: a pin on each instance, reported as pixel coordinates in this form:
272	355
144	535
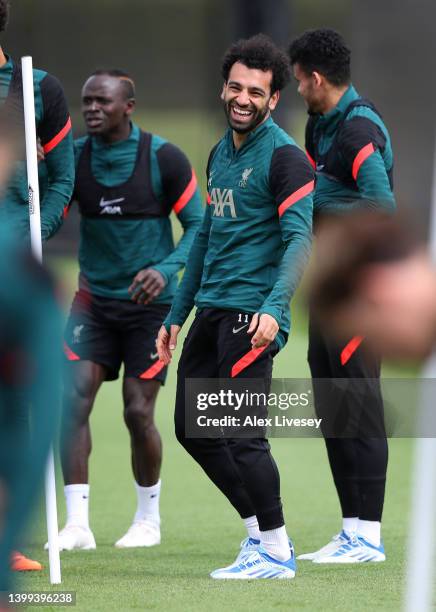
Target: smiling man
127	184
243	269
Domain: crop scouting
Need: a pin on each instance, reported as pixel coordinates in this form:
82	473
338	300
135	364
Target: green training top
255	239
57	171
114	247
352	153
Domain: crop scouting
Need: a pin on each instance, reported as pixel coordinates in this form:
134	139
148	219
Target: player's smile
241	114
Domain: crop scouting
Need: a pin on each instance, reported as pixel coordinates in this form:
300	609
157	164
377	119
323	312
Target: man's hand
166	343
146	286
267	328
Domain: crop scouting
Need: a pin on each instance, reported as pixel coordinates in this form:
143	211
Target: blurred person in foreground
30	369
349	146
381	282
56	170
128	182
242	271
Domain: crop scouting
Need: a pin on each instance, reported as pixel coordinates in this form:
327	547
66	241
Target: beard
244	127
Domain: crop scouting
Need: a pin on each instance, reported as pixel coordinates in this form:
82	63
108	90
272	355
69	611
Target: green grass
201	531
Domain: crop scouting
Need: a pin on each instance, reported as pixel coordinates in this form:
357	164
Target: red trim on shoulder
247	360
186	195
311	160
208	199
69	354
58	138
153	370
350	349
363	154
297	195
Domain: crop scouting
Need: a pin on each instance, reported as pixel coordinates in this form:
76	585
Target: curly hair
324	51
4	14
259	52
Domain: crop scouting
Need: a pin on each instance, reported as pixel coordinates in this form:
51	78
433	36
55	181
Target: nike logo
235	331
320	167
104	202
154	355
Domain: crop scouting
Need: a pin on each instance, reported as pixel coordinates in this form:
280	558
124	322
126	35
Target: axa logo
245	176
222	200
108	208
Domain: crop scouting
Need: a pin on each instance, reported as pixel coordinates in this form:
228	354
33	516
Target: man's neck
332	98
3	59
121	134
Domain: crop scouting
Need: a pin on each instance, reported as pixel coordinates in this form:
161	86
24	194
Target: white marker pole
422	527
36	242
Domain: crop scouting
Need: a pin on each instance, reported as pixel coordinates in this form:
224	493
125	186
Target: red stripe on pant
247	360
70	355
350	349
153	370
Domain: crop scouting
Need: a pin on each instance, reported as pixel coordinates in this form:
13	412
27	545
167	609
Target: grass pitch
201	531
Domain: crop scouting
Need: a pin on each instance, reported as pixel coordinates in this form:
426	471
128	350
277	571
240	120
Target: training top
255	239
126	192
350	149
56	173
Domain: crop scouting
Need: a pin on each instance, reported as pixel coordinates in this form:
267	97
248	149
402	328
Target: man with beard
127	184
242	271
350	148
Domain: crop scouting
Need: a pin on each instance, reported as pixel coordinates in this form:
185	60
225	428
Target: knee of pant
179	428
138	416
191	445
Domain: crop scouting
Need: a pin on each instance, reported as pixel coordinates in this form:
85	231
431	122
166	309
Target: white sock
77	500
148	503
350	524
276	543
252	527
370	530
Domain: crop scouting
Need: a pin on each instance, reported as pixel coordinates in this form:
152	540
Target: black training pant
353	421
218	346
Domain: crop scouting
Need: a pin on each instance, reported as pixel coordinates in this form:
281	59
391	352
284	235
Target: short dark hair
126	80
322	51
4	14
259	52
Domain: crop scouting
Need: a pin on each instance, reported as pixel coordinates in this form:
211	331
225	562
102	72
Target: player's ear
274	100
130	106
317	78
223	91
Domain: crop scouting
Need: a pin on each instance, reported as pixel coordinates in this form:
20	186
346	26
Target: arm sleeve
361	143
292	183
57	141
181	194
184	299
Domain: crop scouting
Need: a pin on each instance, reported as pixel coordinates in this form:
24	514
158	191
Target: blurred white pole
421	551
35	236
